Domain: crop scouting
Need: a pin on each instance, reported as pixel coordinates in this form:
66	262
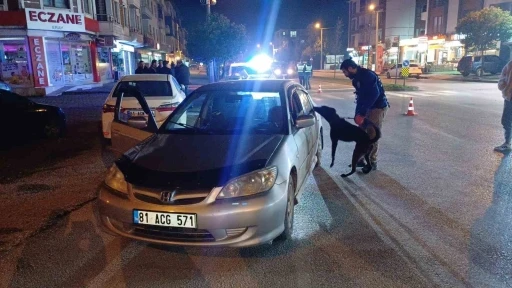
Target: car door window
296	106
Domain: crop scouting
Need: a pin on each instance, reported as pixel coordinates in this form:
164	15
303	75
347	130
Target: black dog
341	130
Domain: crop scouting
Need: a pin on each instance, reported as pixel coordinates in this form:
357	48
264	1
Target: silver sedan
225	169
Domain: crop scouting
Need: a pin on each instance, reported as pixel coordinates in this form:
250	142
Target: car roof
249	85
146	77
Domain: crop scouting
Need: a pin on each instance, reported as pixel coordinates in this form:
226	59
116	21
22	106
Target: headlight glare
249	184
290	71
277	71
115	180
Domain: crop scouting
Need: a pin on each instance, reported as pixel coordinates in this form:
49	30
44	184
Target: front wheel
290	212
53	129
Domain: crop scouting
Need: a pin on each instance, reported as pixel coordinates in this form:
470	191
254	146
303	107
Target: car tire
53	129
388	75
465	74
418	76
289	213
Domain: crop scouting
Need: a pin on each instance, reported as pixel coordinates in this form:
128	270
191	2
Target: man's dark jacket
182	74
369	90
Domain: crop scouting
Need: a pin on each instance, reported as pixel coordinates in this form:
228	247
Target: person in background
307	75
159	67
166	69
140	68
300	72
173	69
152	68
505	86
183	75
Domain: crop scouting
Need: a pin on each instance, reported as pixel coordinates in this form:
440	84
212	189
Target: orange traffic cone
410	110
319	88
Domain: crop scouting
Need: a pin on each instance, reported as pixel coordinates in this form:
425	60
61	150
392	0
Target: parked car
283	70
396	71
243	71
162	93
473	64
5	86
21	117
225	169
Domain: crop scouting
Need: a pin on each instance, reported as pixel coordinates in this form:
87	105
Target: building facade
288	44
363	28
48	44
421	31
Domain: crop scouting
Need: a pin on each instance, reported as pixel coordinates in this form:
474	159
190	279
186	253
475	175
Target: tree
312	42
218	39
484	28
334	42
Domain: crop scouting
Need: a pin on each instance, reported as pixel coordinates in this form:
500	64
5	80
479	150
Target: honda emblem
166	196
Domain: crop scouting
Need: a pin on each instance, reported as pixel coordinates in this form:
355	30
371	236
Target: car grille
178	196
171	233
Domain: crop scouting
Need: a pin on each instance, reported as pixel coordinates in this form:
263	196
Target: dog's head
327	112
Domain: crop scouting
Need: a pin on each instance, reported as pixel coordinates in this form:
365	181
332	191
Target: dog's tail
378	134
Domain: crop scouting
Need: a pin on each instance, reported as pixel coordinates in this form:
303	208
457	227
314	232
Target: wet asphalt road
436	213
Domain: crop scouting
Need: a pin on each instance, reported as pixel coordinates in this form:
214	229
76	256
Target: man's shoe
505	147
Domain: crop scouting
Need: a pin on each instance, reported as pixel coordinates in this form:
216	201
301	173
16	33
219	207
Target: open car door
128	131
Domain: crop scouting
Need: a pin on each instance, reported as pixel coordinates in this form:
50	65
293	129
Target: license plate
133	113
164	219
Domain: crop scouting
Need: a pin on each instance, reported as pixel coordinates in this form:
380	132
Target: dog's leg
368	168
355	158
333	151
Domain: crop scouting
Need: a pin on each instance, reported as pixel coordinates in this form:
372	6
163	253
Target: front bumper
241	222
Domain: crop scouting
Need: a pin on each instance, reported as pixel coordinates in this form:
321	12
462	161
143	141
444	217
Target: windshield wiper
191	127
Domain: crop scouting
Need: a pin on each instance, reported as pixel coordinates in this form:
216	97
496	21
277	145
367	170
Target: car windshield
146	88
228	112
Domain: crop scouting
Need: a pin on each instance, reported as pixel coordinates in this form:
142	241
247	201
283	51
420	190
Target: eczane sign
55	20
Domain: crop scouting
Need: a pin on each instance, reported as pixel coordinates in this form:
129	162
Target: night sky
255	14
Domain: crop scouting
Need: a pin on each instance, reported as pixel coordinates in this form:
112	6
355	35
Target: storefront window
68	62
118	61
104	63
14	63
54	59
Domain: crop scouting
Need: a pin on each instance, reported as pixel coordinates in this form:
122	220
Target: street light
318	26
372	7
273	49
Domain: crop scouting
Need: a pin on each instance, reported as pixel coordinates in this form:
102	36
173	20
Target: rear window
414	65
146	88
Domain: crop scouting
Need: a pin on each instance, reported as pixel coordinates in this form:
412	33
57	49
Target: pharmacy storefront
55	49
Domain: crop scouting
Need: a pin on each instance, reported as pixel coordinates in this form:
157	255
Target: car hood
196	161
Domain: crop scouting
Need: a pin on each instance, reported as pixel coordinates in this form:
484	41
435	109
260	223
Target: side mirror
304	121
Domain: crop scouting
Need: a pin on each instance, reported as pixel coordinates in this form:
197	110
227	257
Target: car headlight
115	180
249	184
277	71
290	71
